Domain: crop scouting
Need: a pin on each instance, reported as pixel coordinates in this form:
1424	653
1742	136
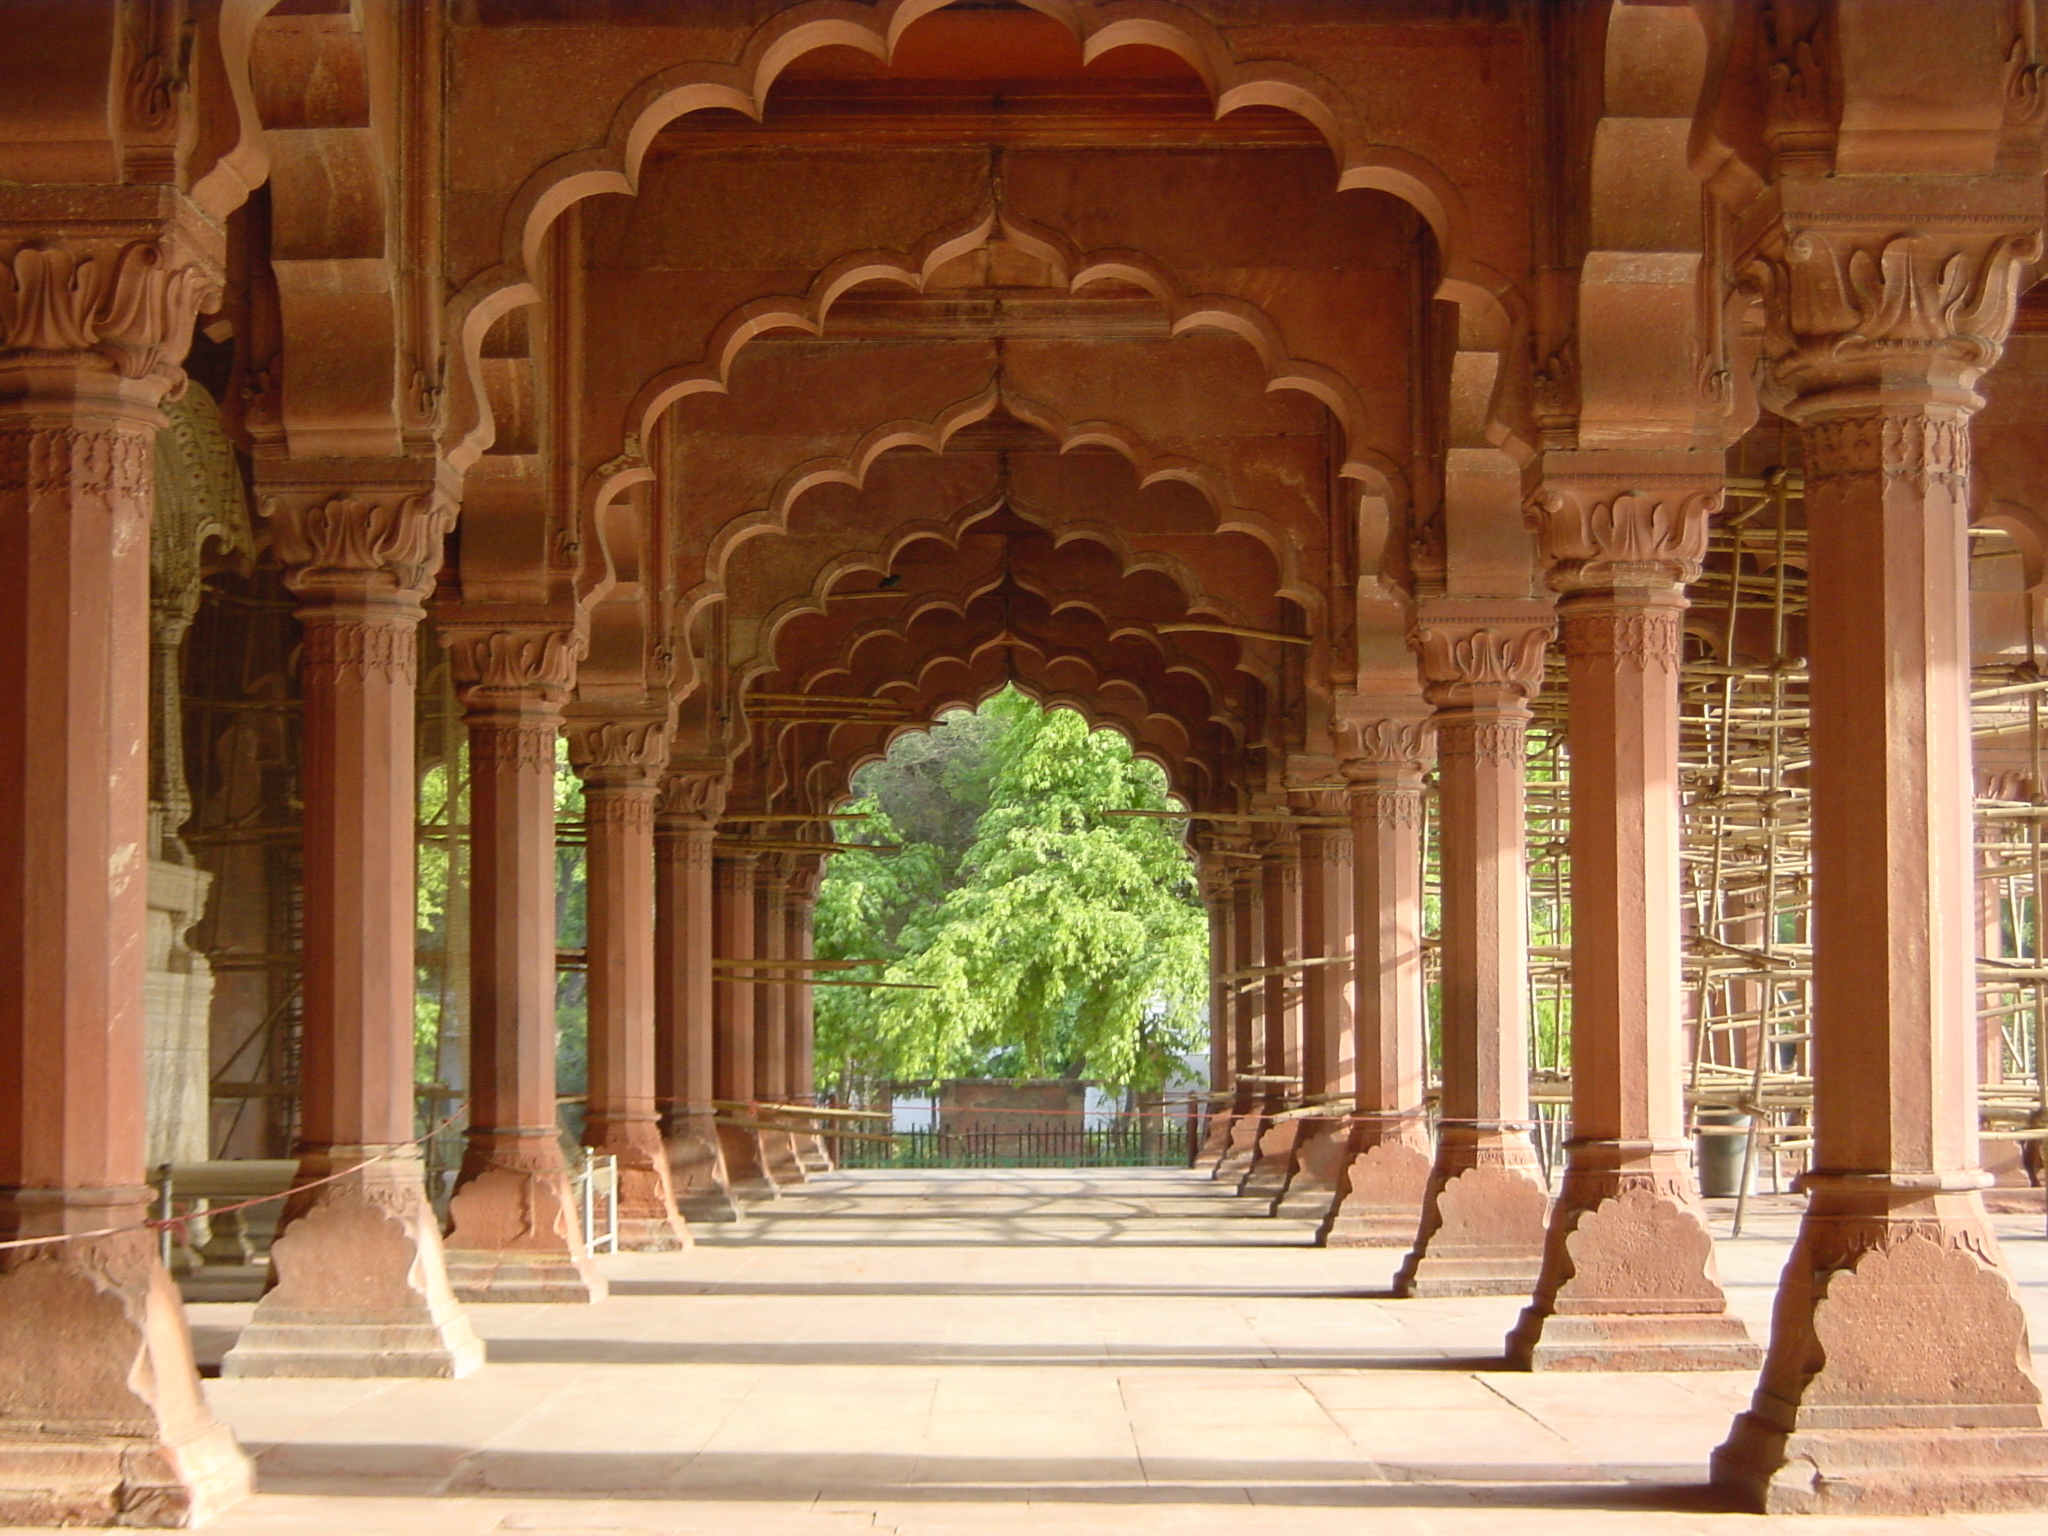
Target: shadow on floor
805	1352
384	1471
981	1288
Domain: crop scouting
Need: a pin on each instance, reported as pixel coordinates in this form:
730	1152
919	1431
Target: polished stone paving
946	1353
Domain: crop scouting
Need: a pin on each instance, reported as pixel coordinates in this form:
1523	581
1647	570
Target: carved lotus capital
1596	534
1917	313
1386	750
695	794
123	308
1477	660
494	663
360	543
619	750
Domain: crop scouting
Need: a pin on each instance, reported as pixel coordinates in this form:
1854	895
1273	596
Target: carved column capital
375	544
117	307
1473	656
1610	521
617	751
503	664
694	798
1863	300
1385	750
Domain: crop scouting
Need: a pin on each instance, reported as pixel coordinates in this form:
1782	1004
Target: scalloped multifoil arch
1493	306
851	469
824	673
950	530
1186	314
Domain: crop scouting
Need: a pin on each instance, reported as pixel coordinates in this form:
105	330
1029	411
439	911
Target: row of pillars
1897	1374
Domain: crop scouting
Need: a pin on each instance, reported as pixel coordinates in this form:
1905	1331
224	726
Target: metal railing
1150	1142
594	1183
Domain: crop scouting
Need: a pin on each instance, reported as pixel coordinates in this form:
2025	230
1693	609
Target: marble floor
944	1353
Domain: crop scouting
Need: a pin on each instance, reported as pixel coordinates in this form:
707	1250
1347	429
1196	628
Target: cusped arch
614	165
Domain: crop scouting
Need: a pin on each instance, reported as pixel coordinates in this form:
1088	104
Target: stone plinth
1378	1201
359	1284
514	1234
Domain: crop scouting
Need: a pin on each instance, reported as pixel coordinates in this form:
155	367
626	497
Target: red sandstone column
733	993
684	833
101	1419
1897	1378
359	1286
1322	1150
514	1231
799	912
620	762
1629	1281
1247	1002
1280	882
1217	880
772	1009
1379	1203
1483	1217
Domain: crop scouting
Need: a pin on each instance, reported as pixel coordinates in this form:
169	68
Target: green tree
1058	941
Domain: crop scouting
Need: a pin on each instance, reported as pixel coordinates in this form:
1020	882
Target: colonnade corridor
1035	1350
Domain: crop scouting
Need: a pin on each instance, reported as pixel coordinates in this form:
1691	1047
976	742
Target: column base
648	1219
1215	1140
1272	1164
1321	1149
1242	1150
1378	1203
1629	1282
1483	1221
513	1232
779	1152
696	1169
747	1172
101	1417
1898	1379
359	1284
812	1156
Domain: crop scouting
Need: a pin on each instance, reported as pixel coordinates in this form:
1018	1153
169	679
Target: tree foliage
1055	940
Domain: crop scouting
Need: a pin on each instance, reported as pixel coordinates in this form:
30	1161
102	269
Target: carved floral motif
1372	747
335	645
114	462
1483	741
1644	638
492	661
1908	445
389	543
696	794
128	309
1388	808
1468	663
1840	310
527	746
1634	537
608	748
